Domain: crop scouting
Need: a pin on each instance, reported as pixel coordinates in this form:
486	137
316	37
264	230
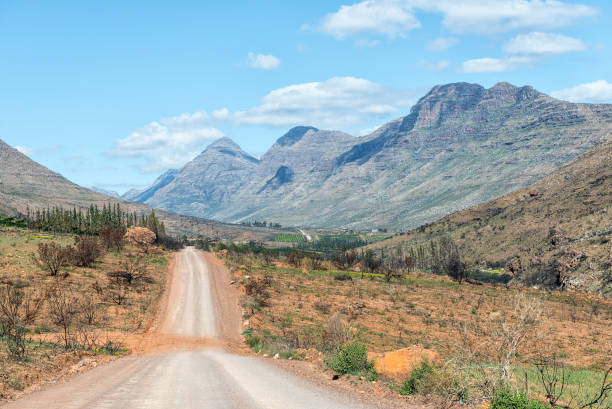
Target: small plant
417	376
255	342
507	399
350	358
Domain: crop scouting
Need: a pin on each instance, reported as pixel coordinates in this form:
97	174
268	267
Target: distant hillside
26	184
141	196
557	232
461	145
105	192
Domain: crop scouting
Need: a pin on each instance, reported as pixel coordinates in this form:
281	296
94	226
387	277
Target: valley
450	255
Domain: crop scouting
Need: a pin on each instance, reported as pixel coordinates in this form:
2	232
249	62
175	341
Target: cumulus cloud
492	64
394	18
168	143
263	61
524	49
338	103
442	43
542	44
596	91
482	17
391	18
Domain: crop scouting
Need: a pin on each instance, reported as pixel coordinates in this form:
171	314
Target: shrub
336	333
112	238
507	399
446	382
255	342
86	251
418	377
51	257
350	358
258	289
17	309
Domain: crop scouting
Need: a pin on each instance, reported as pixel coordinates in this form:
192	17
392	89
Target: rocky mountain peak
294	135
223	148
223	143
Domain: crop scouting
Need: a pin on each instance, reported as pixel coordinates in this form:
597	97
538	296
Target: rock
140	236
398	364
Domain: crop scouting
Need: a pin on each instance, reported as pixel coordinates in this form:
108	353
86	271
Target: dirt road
200	304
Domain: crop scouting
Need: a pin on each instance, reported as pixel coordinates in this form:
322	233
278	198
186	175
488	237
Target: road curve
206	378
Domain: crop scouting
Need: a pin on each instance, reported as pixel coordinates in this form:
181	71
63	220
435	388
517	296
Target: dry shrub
259	289
337	332
511	331
86	251
51	257
17	310
63	310
133	271
112	238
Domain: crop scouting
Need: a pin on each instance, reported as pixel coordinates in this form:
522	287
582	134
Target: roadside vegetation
345	309
69	301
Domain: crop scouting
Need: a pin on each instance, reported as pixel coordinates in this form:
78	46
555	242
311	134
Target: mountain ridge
461	144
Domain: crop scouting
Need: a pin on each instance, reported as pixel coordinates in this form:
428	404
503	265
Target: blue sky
113	93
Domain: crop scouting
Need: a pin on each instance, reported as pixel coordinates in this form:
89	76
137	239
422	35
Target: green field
289	238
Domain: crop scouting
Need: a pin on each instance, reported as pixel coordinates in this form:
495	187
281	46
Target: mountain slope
460	145
163	180
557	231
25	184
207	181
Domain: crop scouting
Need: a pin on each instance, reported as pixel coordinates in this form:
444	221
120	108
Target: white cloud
593	91
168	143
486	17
263	61
25	150
542	44
442	43
391	18
338	103
433	65
493	64
524	49
394	18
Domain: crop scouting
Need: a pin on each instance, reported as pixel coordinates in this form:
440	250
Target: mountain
460	145
208	181
556	232
134	195
25	184
105	192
